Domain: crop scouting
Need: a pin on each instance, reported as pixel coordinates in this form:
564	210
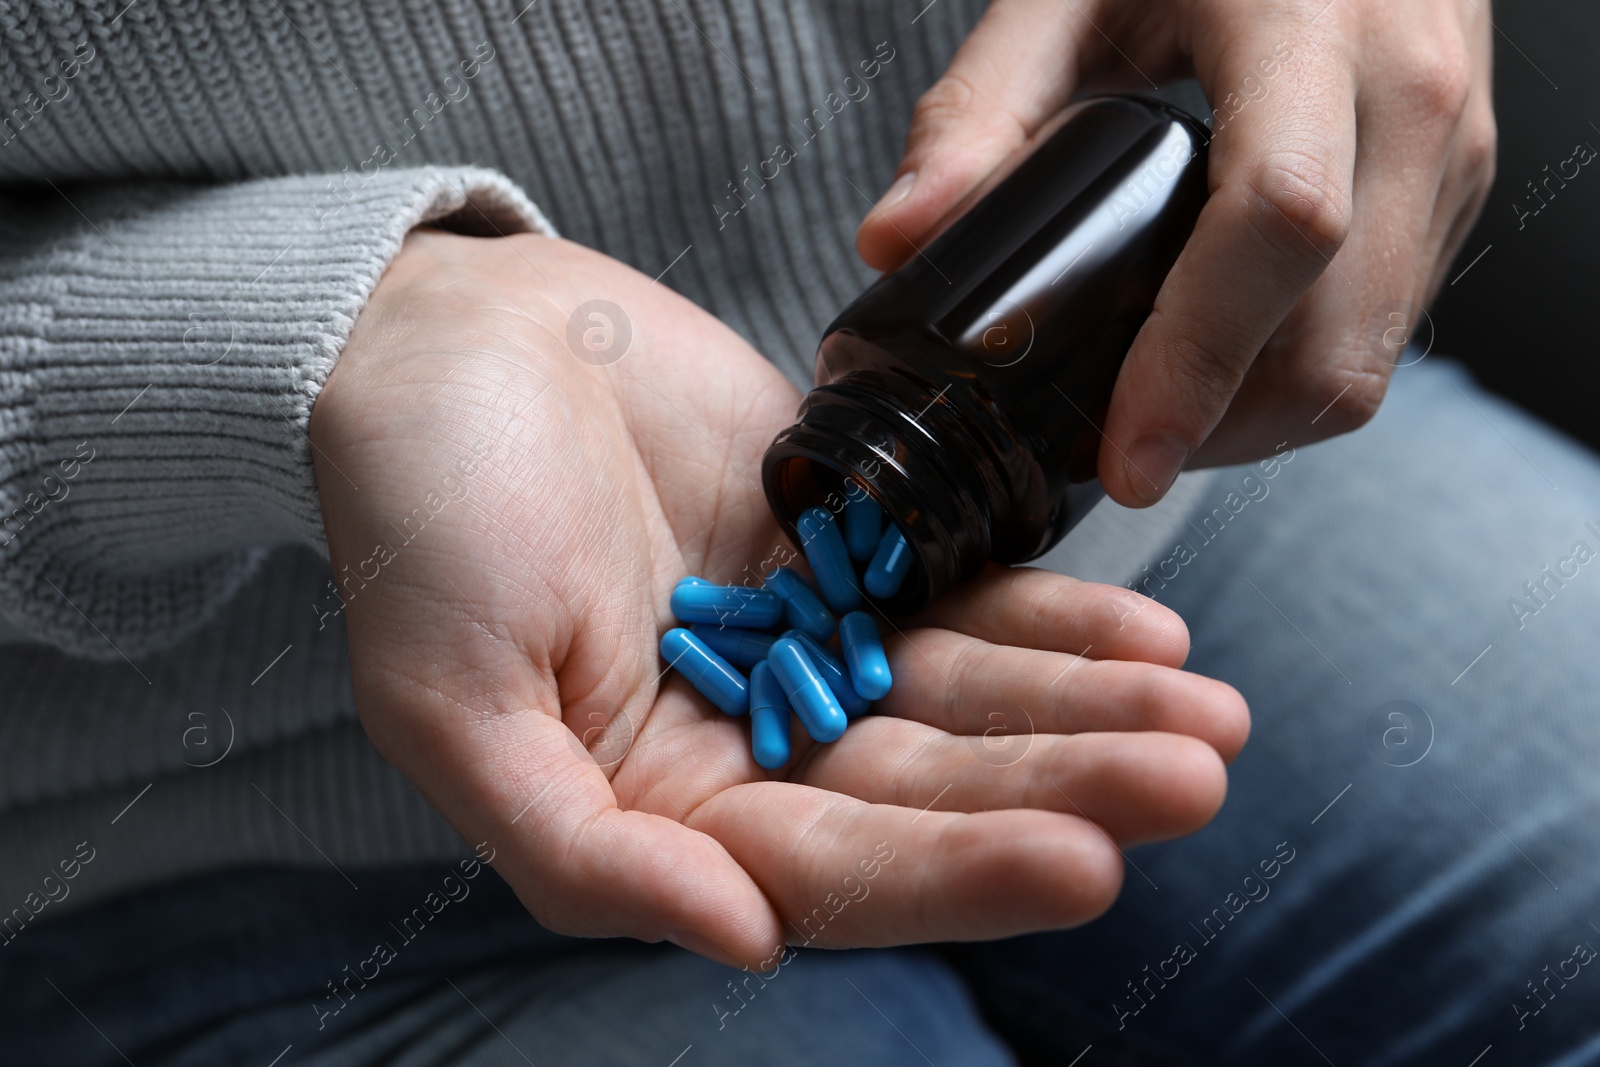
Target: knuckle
949	99
1299	206
1357	393
1115	608
1480	138
1206	371
1162	697
1037	606
955	102
1229	722
1437	80
968	660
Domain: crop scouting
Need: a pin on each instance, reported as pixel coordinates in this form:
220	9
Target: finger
1033	608
1140	787
1467	183
1473	161
1014	71
1325	373
1281	175
846	873
962	685
512	775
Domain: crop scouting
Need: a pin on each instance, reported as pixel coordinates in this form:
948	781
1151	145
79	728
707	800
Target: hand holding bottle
1353	147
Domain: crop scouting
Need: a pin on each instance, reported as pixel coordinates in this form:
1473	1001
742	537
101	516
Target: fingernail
1152	465
897	192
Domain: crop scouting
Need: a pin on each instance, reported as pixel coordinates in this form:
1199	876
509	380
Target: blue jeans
1405	871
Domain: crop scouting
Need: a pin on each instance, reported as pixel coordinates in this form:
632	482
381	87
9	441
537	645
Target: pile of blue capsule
781	633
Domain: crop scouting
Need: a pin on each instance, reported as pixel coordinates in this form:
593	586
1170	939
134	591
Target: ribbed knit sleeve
161	346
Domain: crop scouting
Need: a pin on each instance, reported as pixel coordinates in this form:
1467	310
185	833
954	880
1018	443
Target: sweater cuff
160	350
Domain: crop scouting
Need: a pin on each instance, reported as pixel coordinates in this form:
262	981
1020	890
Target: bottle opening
801	482
856	437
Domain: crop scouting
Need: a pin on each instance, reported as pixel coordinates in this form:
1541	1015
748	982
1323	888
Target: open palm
524	509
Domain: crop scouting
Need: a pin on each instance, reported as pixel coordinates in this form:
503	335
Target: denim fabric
1363	604
1405	872
235	969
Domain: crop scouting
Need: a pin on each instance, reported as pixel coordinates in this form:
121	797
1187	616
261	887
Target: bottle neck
902	441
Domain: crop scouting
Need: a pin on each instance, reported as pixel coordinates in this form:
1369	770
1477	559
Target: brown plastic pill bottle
965	390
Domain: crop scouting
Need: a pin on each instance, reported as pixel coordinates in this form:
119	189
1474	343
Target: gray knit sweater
196	198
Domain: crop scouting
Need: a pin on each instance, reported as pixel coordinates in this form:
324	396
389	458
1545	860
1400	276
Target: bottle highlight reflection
964	391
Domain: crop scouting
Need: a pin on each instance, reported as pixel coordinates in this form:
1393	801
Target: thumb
1016	69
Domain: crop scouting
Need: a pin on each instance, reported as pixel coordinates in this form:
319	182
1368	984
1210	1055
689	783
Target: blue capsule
890	564
863	654
691	579
800	605
708	672
726	605
742	648
863	524
830	561
832	670
808	694
769	718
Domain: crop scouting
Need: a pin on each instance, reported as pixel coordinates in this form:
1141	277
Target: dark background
1524	317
